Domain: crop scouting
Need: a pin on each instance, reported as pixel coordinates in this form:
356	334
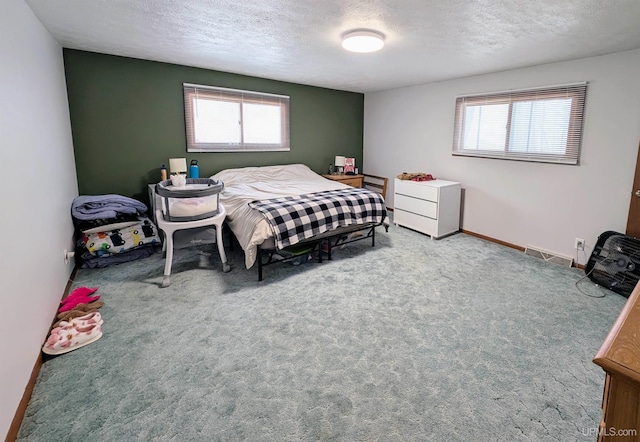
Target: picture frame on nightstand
349	166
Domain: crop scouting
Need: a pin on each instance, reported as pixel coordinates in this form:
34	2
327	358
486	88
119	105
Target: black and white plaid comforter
296	218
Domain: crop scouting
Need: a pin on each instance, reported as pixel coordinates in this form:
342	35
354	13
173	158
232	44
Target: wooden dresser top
620	352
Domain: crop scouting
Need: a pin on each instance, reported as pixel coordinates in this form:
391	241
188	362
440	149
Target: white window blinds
222	120
540	125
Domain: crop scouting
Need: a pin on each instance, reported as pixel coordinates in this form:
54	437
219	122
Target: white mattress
241	186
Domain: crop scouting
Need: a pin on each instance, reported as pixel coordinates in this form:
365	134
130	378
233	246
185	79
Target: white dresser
431	207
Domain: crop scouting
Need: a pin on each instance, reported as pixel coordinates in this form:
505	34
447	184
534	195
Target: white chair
170	227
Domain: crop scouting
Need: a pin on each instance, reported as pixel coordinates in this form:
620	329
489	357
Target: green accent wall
127	118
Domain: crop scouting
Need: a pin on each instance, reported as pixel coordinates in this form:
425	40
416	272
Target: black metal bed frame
331	238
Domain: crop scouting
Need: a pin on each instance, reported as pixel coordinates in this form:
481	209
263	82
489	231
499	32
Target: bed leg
329	249
259	265
373	236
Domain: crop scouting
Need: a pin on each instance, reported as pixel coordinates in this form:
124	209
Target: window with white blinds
223	120
540	125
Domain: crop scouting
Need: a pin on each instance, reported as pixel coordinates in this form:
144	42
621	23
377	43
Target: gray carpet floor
452	340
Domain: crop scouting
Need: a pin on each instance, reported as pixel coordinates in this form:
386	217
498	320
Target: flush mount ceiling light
363	41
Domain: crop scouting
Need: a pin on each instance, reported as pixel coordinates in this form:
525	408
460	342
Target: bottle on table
193	169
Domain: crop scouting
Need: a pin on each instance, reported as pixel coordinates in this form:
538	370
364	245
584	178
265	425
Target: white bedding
241	186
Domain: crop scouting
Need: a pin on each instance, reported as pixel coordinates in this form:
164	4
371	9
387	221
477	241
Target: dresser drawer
417	206
349	180
417	190
353	182
415	222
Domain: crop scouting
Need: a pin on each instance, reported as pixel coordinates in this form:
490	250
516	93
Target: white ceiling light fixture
363	41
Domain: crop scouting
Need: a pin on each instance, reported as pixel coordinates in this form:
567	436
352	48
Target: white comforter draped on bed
241	186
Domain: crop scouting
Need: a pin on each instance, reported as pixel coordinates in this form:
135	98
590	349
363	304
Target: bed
245	185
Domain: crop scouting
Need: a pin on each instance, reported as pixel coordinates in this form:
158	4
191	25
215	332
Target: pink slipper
79	322
80	291
71	338
70	305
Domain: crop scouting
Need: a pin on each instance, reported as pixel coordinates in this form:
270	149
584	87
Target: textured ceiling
299	40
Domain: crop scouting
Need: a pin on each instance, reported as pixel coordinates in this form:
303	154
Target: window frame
576	91
191	92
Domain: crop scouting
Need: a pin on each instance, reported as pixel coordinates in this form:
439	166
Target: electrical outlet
67	256
579	244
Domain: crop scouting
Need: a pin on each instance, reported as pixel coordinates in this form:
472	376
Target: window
222	120
543	124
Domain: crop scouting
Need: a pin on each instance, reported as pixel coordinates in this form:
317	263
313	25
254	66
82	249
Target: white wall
38	184
543	205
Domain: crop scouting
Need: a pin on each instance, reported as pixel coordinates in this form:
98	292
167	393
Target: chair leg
223	256
166	280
